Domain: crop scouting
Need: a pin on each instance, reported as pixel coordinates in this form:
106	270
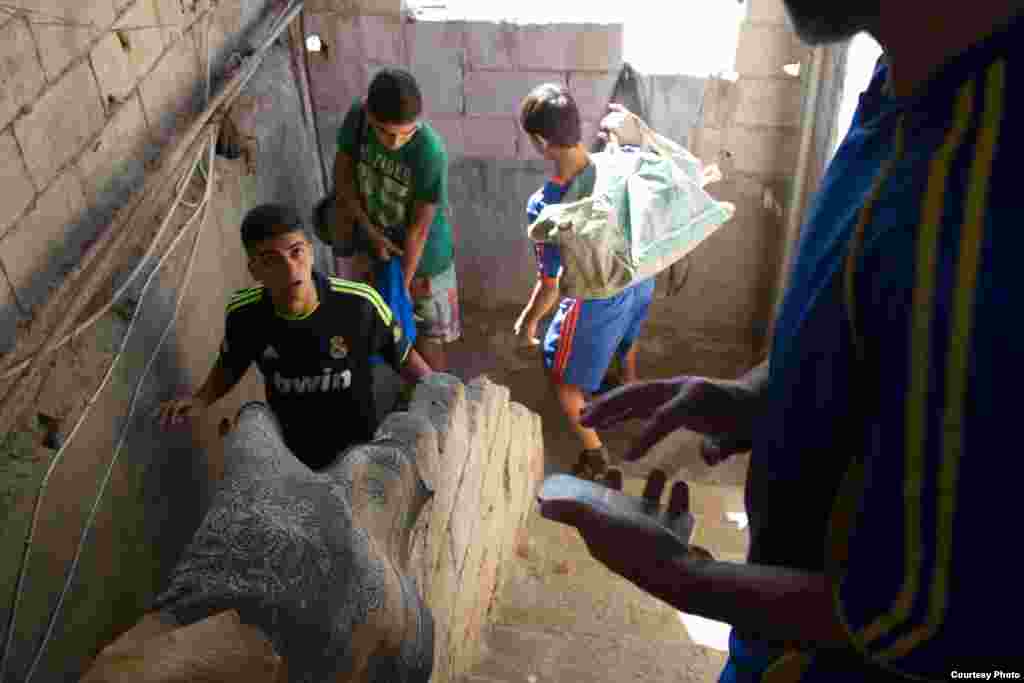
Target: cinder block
172	93
115	73
768	102
721	99
492	46
500	93
336	84
173	18
123	57
546	46
453	130
49	135
43	244
570	47
707	144
112	165
18	190
350	9
762	150
341	35
592	92
437	55
341	73
491	137
21	76
766	12
382	39
598	48
180	15
59	45
765	48
390	8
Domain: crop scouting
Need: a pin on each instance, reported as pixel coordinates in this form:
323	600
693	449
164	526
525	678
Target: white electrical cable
95	317
30	538
280	23
204	209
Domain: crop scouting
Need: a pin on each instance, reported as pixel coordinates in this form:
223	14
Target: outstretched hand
628	534
175	412
714	408
383	248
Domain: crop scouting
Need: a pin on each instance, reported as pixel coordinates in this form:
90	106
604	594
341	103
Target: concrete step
523	655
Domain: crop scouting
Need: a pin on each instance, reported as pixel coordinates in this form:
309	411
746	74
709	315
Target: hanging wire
55	20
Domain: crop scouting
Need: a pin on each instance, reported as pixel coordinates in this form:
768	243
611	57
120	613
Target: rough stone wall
483	455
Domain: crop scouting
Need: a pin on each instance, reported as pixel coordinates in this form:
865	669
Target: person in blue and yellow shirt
882	467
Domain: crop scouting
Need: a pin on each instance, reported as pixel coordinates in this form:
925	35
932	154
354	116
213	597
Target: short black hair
394	97
267	221
550	111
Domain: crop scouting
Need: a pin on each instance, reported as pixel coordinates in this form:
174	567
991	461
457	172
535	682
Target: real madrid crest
339	349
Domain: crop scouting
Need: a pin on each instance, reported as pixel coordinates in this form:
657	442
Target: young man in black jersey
311	337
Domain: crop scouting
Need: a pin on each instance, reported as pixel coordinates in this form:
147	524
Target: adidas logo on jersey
328	381
270	353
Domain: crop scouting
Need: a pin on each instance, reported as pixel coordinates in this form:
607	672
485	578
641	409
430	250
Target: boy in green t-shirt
391	180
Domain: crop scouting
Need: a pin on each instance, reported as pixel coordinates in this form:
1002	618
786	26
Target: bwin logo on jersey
328	381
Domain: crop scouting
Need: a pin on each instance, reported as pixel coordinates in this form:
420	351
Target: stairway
562	616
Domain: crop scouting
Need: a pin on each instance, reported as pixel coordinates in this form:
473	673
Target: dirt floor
488	348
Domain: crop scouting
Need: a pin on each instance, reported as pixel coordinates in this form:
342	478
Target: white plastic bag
630	214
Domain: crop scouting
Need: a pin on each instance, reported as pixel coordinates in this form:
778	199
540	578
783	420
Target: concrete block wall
751	128
483	456
752	125
76	134
83	108
473	74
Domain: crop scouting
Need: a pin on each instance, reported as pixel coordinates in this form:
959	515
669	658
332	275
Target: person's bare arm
543	298
422	218
414	368
782	603
218	384
347	206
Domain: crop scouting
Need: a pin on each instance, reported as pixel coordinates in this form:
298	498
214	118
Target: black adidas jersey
317	368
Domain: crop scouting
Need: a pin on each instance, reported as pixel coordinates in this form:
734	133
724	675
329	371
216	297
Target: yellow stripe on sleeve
962	320
920	360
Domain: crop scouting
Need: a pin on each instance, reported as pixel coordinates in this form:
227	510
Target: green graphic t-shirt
392	181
